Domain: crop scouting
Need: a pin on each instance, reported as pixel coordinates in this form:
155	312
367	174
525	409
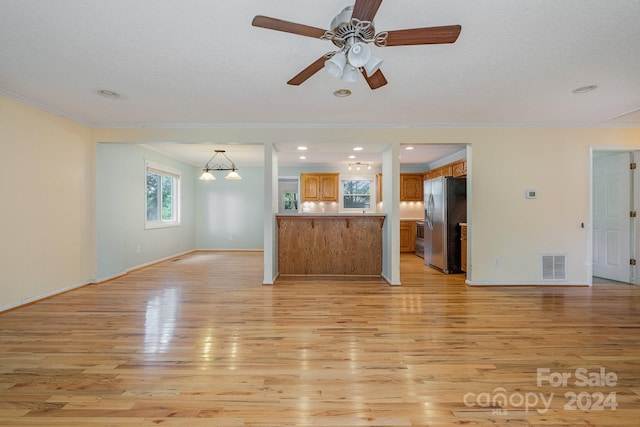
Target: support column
269	211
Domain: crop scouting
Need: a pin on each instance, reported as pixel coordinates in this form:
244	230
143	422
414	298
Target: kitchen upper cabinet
459	168
446	170
411	187
319	187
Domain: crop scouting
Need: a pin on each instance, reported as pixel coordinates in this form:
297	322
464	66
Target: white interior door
611	220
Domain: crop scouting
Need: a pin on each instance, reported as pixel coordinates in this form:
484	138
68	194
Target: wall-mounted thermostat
530	194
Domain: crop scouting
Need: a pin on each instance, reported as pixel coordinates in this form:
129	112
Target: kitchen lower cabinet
463	247
407	235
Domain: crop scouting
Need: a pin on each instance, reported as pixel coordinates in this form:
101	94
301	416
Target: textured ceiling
201	63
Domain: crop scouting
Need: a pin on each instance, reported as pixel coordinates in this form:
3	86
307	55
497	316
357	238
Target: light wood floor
200	342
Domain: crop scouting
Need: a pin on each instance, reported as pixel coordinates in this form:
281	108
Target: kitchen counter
330	244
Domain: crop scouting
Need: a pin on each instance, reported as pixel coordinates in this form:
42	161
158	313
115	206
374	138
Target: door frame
635	203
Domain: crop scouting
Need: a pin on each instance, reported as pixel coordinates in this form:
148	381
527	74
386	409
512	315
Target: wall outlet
139	249
496	262
230	237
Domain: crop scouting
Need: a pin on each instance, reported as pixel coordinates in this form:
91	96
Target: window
356	194
163	196
290	201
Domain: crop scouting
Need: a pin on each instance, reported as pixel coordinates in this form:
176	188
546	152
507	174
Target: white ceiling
196	63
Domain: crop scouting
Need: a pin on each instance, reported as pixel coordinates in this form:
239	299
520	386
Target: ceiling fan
351	31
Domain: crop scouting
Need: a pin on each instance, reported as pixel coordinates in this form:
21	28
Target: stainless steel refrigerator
445	206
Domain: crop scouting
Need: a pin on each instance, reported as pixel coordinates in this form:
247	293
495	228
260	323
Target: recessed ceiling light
358	148
303	157
302	148
341	93
352	156
585	89
409	148
108	93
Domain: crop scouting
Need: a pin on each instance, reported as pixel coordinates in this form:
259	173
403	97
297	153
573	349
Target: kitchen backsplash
320	207
408	210
411	210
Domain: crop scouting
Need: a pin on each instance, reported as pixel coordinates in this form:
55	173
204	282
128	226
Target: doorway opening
615	192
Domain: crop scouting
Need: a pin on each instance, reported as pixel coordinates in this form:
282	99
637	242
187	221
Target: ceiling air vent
553	267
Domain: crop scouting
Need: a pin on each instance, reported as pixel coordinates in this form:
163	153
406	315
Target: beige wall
47	215
47	182
504	163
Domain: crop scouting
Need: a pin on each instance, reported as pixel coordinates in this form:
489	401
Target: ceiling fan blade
303	75
376	80
427	35
365	10
287	27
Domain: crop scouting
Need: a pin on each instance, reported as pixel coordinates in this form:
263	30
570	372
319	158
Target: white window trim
372	183
167	171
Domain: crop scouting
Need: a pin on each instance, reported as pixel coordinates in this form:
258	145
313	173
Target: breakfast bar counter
330	244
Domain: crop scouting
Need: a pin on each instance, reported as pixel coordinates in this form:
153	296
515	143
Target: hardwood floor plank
200	342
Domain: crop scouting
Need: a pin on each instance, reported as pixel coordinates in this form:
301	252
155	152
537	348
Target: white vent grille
553	267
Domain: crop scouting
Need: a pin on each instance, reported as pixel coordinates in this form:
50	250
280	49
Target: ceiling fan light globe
335	64
372	65
350	74
359	54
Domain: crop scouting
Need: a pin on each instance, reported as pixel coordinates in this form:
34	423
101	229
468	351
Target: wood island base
336	245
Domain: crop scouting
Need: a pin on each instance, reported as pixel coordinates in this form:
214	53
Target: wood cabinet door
459	168
463	248
405	237
411	187
446	170
329	187
310	187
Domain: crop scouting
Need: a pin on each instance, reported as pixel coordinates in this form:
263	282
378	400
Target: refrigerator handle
429	212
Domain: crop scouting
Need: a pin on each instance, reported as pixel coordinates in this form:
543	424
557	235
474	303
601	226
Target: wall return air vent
553	267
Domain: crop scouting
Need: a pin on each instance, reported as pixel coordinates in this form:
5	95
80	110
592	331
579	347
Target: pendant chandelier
209	167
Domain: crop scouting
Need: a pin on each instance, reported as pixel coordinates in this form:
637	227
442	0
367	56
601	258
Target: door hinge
633	165
633	214
632	262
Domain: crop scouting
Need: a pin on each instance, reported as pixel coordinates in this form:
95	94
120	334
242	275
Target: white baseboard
389	281
43	296
138	267
150	263
564	284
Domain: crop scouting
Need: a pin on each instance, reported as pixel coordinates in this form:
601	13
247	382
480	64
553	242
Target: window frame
176	175
372	202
